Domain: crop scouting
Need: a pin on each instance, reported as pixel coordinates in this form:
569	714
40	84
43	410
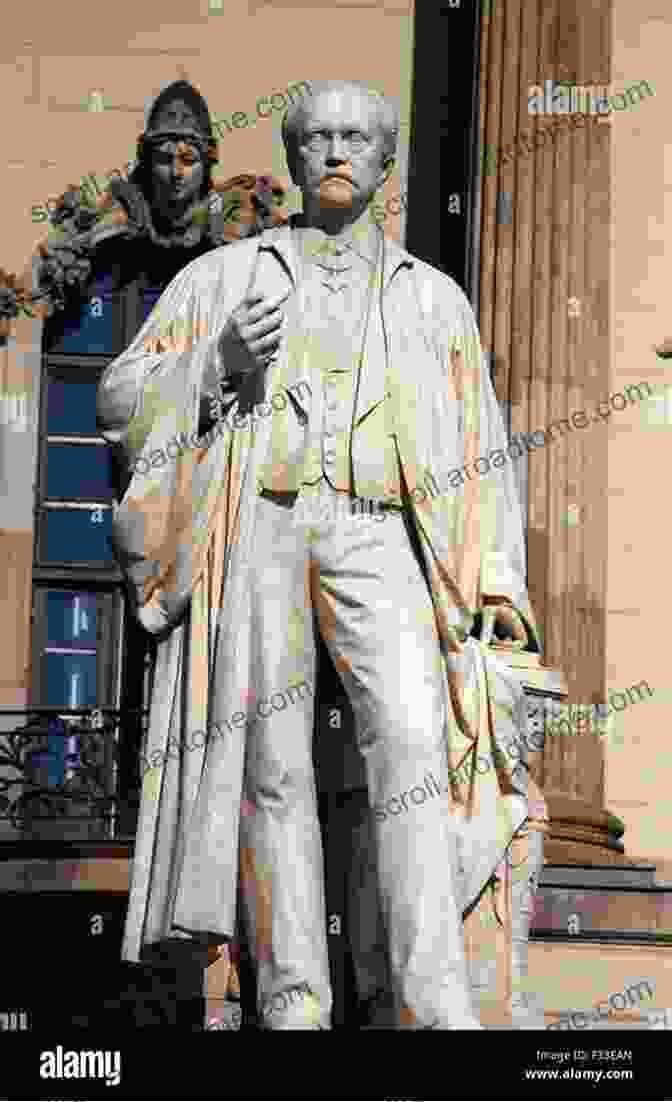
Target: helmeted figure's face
177	176
339	158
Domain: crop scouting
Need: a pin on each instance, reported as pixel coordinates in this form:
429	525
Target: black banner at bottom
339	1064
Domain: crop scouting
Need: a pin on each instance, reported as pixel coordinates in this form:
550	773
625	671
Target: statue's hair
387	113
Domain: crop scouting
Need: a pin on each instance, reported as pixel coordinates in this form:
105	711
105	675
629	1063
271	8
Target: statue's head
340	143
176	151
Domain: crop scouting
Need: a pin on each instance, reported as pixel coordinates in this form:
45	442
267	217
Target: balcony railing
69	773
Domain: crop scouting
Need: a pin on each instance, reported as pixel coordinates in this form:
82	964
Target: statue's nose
336	150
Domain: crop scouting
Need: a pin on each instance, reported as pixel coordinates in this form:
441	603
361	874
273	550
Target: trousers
359	583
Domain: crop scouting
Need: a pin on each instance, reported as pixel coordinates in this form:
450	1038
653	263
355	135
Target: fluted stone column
570	770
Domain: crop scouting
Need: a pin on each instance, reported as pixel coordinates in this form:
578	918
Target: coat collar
279	241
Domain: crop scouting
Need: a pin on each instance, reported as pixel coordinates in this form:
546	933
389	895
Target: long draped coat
186	525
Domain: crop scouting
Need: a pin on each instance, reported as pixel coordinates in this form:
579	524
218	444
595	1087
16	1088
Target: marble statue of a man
345	510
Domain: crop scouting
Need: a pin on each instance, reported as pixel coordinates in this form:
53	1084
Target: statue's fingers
519	628
265	306
489	617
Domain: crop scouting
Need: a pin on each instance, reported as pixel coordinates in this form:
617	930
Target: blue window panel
62	748
76	536
91	329
71	408
72	620
150	297
79	470
71	683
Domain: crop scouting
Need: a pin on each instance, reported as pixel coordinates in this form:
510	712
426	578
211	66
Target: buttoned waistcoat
334	330
298	452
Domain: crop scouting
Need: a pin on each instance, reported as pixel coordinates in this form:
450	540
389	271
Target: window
86	654
74	646
76	476
94	329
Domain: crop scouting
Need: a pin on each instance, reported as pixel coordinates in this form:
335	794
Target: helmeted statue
168	212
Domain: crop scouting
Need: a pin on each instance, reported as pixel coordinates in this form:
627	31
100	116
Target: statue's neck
167	222
361	236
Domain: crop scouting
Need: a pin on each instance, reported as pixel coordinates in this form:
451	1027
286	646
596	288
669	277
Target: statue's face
177	176
340	160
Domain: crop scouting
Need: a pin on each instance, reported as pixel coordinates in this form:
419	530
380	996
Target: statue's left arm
503	596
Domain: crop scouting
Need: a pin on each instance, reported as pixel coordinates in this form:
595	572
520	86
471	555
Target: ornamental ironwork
70	773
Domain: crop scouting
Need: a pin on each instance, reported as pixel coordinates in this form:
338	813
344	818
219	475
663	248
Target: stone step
630	982
581	1019
600	876
610	902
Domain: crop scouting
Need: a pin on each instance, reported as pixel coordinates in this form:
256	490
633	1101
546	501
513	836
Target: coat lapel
276	271
373	388
277	244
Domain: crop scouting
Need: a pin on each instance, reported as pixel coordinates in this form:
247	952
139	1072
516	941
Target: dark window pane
90	328
49	766
56	752
79	470
72	620
71	680
150	297
71	408
76	536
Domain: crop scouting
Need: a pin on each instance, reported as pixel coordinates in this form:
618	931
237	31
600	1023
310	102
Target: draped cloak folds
186	524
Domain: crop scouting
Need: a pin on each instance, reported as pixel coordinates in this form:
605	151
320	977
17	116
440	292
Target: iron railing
70	773
73	773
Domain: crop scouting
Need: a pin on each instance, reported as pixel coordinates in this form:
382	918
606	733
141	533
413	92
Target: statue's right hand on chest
250	340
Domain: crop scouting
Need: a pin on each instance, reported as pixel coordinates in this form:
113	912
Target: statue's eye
317	139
